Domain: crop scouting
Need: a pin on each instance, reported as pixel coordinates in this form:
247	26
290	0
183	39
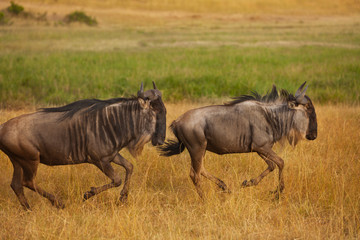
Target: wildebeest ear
144	103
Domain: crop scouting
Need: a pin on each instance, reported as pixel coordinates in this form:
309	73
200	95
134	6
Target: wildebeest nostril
311	136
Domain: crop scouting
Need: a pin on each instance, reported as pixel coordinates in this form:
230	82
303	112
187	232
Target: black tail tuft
171	147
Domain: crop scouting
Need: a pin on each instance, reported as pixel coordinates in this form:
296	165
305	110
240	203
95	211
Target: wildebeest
249	123
86	131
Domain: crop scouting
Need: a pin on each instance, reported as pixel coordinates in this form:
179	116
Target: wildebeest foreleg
108	170
120	160
280	163
255	181
270	155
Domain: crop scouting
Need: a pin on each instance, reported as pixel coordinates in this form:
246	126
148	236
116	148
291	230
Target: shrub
2	18
81	17
15	8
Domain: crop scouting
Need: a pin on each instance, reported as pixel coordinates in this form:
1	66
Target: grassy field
321	199
189	56
181	73
198	52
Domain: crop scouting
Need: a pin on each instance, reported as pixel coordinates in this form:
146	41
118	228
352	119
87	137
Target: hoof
247	183
274	192
123	198
224	188
276	196
277	191
27	207
226	191
244	183
59	204
88	194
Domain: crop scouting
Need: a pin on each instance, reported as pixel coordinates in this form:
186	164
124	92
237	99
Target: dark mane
91	105
267	98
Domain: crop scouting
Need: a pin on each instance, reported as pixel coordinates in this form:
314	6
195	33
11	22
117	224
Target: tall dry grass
321	199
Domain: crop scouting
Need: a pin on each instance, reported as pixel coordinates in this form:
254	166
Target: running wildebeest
86	131
250	123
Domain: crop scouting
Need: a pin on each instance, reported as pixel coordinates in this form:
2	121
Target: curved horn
140	93
298	92
301	97
154	85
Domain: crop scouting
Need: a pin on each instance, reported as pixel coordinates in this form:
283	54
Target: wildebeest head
304	117
152	100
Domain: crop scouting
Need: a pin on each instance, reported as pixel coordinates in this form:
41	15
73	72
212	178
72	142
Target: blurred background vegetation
194	50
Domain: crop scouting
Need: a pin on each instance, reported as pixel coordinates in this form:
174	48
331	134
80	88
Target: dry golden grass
288	7
155	13
321	199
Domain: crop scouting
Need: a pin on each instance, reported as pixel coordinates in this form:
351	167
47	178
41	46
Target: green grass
188	59
190	73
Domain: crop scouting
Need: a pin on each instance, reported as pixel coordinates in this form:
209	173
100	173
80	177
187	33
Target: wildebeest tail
172	147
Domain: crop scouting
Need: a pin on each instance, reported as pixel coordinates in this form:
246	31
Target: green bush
15	8
2	18
81	17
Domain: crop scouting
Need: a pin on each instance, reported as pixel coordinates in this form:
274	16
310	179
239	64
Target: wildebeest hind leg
255	181
17	186
29	171
120	160
216	180
108	170
196	168
54	201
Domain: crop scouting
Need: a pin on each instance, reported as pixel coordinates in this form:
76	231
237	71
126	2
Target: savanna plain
198	53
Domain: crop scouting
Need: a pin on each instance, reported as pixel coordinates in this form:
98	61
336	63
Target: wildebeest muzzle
311	136
312	129
158	138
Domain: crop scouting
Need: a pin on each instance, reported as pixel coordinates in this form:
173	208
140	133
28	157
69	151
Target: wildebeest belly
60	158
223	143
224	147
228	134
